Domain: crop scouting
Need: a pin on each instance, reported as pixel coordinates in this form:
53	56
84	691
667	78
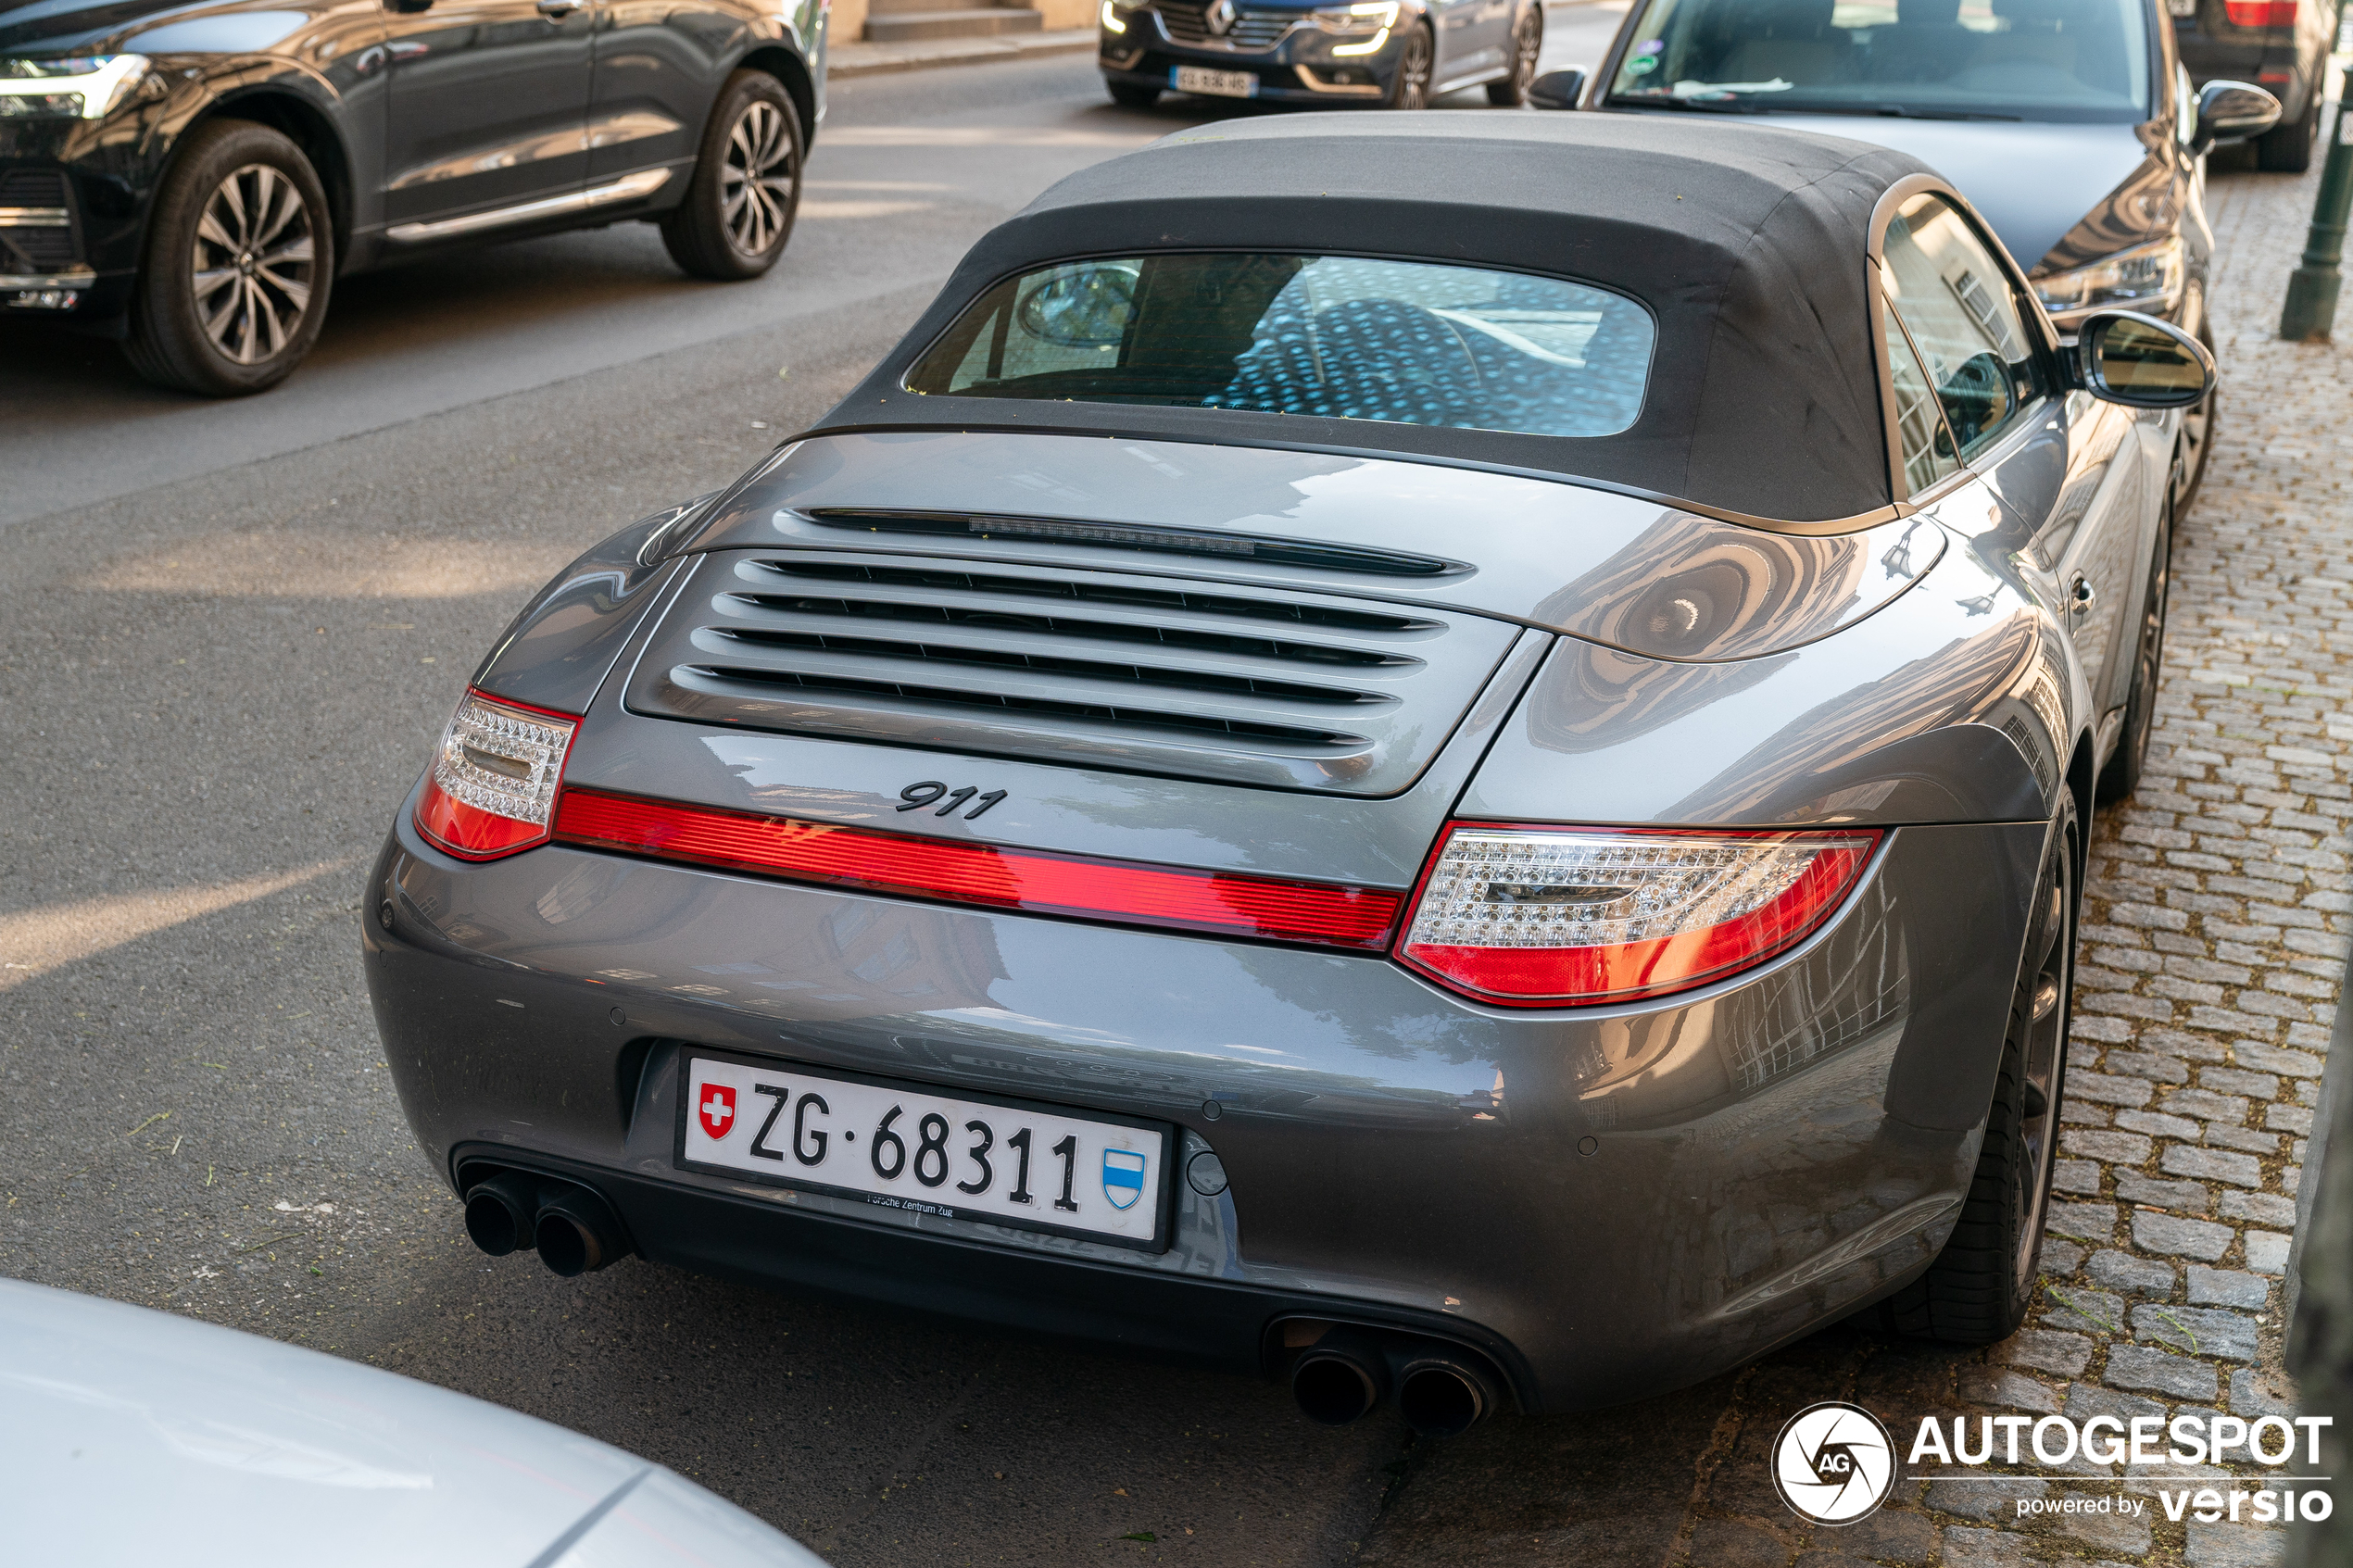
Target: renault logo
1220	17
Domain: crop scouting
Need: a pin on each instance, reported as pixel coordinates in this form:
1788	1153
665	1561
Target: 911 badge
717	1108
1123	1177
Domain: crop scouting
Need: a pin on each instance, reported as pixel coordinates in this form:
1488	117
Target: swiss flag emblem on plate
717	1108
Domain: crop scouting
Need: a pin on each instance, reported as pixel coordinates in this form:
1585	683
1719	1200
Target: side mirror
1556	90
2231	111
2125	356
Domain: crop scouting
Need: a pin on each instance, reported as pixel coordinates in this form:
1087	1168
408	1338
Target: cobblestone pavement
2214	933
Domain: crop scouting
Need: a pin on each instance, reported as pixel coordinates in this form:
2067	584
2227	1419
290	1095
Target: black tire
1130	96
229	307
2287	149
746	189
2122	774
1979	1288
2195	448
1409	88
1528	46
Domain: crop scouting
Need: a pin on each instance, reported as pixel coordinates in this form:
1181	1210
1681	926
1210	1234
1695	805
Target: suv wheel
1528	43
240	255
1132	95
746	188
1980	1287
1409	89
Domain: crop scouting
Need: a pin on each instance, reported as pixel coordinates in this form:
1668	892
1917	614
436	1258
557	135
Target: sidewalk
875	59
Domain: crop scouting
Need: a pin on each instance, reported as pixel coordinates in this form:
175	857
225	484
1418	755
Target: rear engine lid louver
1163	675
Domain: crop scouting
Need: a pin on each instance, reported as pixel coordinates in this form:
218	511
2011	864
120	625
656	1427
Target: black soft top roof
1748	244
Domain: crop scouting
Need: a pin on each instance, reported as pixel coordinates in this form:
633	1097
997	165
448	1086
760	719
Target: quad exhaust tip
573	1230
1344	1373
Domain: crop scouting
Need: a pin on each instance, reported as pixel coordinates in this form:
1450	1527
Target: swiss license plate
899	1146
1215	83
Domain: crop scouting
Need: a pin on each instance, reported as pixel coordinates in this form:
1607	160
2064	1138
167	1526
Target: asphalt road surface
229	633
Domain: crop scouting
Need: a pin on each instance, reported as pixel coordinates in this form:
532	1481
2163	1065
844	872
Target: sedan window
2069	60
1337	336
1957	302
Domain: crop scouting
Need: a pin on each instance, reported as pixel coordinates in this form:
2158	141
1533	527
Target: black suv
193	184
2281	46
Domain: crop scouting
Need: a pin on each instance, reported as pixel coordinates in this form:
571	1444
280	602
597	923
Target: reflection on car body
1550	684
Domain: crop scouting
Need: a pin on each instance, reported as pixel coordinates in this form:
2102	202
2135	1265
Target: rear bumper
1612	1202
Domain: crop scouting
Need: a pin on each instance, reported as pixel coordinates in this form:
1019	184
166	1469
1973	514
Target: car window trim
1927	376
2037	319
2020	298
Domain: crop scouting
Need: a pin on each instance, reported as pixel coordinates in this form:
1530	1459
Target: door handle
556	10
2082	595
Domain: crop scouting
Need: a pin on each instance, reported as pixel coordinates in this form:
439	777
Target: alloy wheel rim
255	251
2150	656
756	180
2046	1039
1414	91
1531	44
2194	425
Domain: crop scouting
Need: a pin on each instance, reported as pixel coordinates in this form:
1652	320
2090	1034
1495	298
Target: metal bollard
2310	309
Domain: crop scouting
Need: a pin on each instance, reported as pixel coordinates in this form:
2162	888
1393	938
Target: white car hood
135	1436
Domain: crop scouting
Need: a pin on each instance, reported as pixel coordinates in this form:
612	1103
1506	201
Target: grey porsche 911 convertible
1475	800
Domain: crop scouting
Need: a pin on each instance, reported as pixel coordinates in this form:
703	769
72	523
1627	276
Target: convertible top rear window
1335	336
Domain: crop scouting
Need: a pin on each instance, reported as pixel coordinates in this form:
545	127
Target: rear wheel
1130	96
1409	89
746	187
2287	149
1528	43
1980	1287
239	255
2122	774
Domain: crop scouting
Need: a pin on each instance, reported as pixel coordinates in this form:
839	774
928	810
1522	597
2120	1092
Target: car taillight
2261	13
491	790
1570	916
958	873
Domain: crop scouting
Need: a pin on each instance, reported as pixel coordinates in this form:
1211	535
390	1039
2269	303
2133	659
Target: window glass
1345	337
2064	60
1919	425
1957	300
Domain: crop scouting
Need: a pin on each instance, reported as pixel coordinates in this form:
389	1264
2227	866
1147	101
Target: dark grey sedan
2071	123
1474	799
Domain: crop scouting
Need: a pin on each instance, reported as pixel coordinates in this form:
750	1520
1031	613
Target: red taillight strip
957	873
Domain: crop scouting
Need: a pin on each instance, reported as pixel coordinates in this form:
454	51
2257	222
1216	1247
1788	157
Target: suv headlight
85	87
2146	277
1376	17
1116	12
